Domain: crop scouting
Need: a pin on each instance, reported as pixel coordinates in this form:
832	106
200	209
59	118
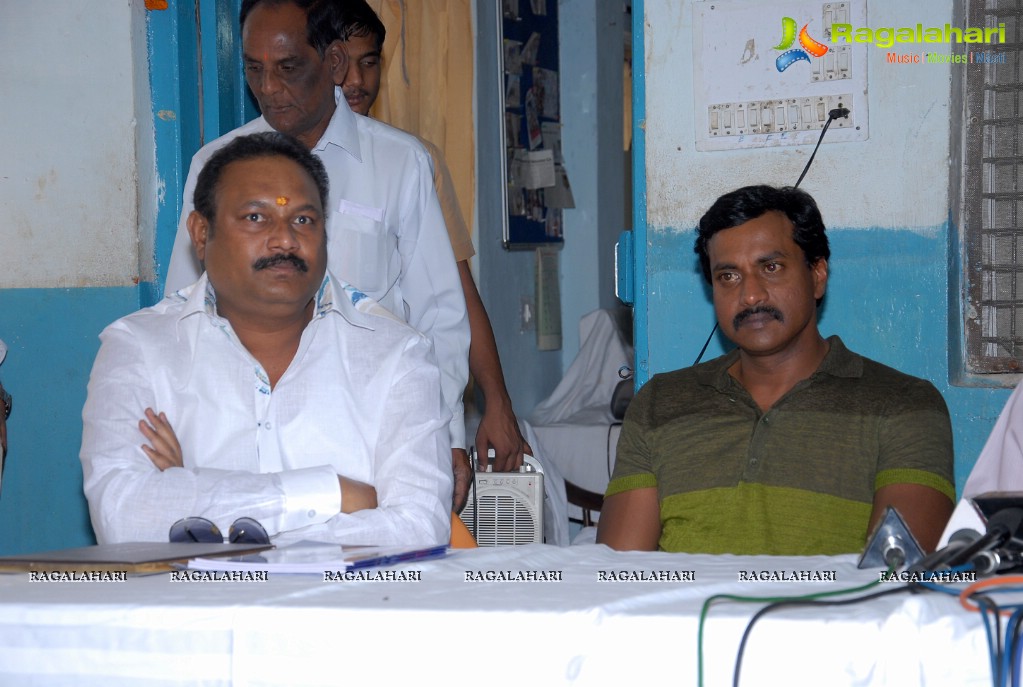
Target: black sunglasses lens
248	531
199	530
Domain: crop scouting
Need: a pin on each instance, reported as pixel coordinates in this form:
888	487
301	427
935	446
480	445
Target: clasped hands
164	451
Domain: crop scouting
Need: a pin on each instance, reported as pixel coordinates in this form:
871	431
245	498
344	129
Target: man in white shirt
1000	465
385	231
268	389
364	34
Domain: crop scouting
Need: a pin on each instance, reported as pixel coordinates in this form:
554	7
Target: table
445	628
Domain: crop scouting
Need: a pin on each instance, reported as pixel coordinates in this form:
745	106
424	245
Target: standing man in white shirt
269	389
364	34
385	231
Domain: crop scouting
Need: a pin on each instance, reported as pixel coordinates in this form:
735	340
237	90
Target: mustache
280	258
756	310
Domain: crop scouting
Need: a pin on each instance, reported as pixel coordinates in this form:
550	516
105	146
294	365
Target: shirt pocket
358	246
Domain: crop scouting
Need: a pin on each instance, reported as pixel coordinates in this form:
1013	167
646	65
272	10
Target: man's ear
337	58
820	278
198	231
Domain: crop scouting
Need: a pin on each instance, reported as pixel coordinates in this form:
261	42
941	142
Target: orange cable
1003	581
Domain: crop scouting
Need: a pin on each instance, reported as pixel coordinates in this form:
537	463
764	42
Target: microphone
1001	529
938	560
996	561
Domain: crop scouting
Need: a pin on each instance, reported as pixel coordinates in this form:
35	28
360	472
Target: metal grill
993	196
503	521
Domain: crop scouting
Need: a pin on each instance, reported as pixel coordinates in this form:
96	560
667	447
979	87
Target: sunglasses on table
201	530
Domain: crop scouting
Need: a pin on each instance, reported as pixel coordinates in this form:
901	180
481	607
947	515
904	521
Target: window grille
993	193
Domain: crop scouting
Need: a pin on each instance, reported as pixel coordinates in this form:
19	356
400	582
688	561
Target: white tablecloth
302	630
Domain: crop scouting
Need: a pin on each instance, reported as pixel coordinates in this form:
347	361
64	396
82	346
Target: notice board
536	184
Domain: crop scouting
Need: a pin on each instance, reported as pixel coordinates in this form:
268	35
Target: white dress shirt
1000	465
360	399
385	235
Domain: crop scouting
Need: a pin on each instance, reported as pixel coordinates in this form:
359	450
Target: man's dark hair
747	203
322	19
357	18
265	144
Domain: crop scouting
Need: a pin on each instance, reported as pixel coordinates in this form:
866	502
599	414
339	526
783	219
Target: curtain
428	60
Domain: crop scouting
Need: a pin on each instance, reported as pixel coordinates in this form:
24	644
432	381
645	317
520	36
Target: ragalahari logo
788	37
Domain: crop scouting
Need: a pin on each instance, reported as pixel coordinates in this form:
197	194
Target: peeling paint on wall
69	165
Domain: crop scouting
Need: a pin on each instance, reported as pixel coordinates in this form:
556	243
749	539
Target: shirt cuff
457	427
311	496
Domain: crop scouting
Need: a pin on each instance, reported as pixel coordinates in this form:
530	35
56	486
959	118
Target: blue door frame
631	256
198	93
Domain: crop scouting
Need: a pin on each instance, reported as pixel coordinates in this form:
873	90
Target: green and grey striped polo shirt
796	480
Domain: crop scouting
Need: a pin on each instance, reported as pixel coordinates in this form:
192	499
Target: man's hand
355	495
499	430
164	450
463	473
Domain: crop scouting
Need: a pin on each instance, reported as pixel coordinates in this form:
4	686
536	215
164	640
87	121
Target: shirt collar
333	295
838	362
342	129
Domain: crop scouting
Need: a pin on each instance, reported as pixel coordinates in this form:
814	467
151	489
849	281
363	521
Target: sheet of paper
551	132
560	194
533	120
534	169
545	83
531	49
512	57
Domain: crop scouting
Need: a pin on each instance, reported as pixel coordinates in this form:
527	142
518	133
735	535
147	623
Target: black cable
609	428
832	116
475	501
705	344
803	602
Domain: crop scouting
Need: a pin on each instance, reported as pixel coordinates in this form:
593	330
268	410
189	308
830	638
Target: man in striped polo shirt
790	444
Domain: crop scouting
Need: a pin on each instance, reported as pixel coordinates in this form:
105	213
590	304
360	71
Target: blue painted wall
53	337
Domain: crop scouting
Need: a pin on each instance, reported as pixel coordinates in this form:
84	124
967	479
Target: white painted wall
904	160
69	199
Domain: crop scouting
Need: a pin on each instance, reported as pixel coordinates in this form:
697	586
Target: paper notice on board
545	83
533	121
534	168
513	92
512	57
551	133
560	194
531	49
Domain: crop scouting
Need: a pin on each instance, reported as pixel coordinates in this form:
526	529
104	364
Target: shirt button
267	425
311	514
